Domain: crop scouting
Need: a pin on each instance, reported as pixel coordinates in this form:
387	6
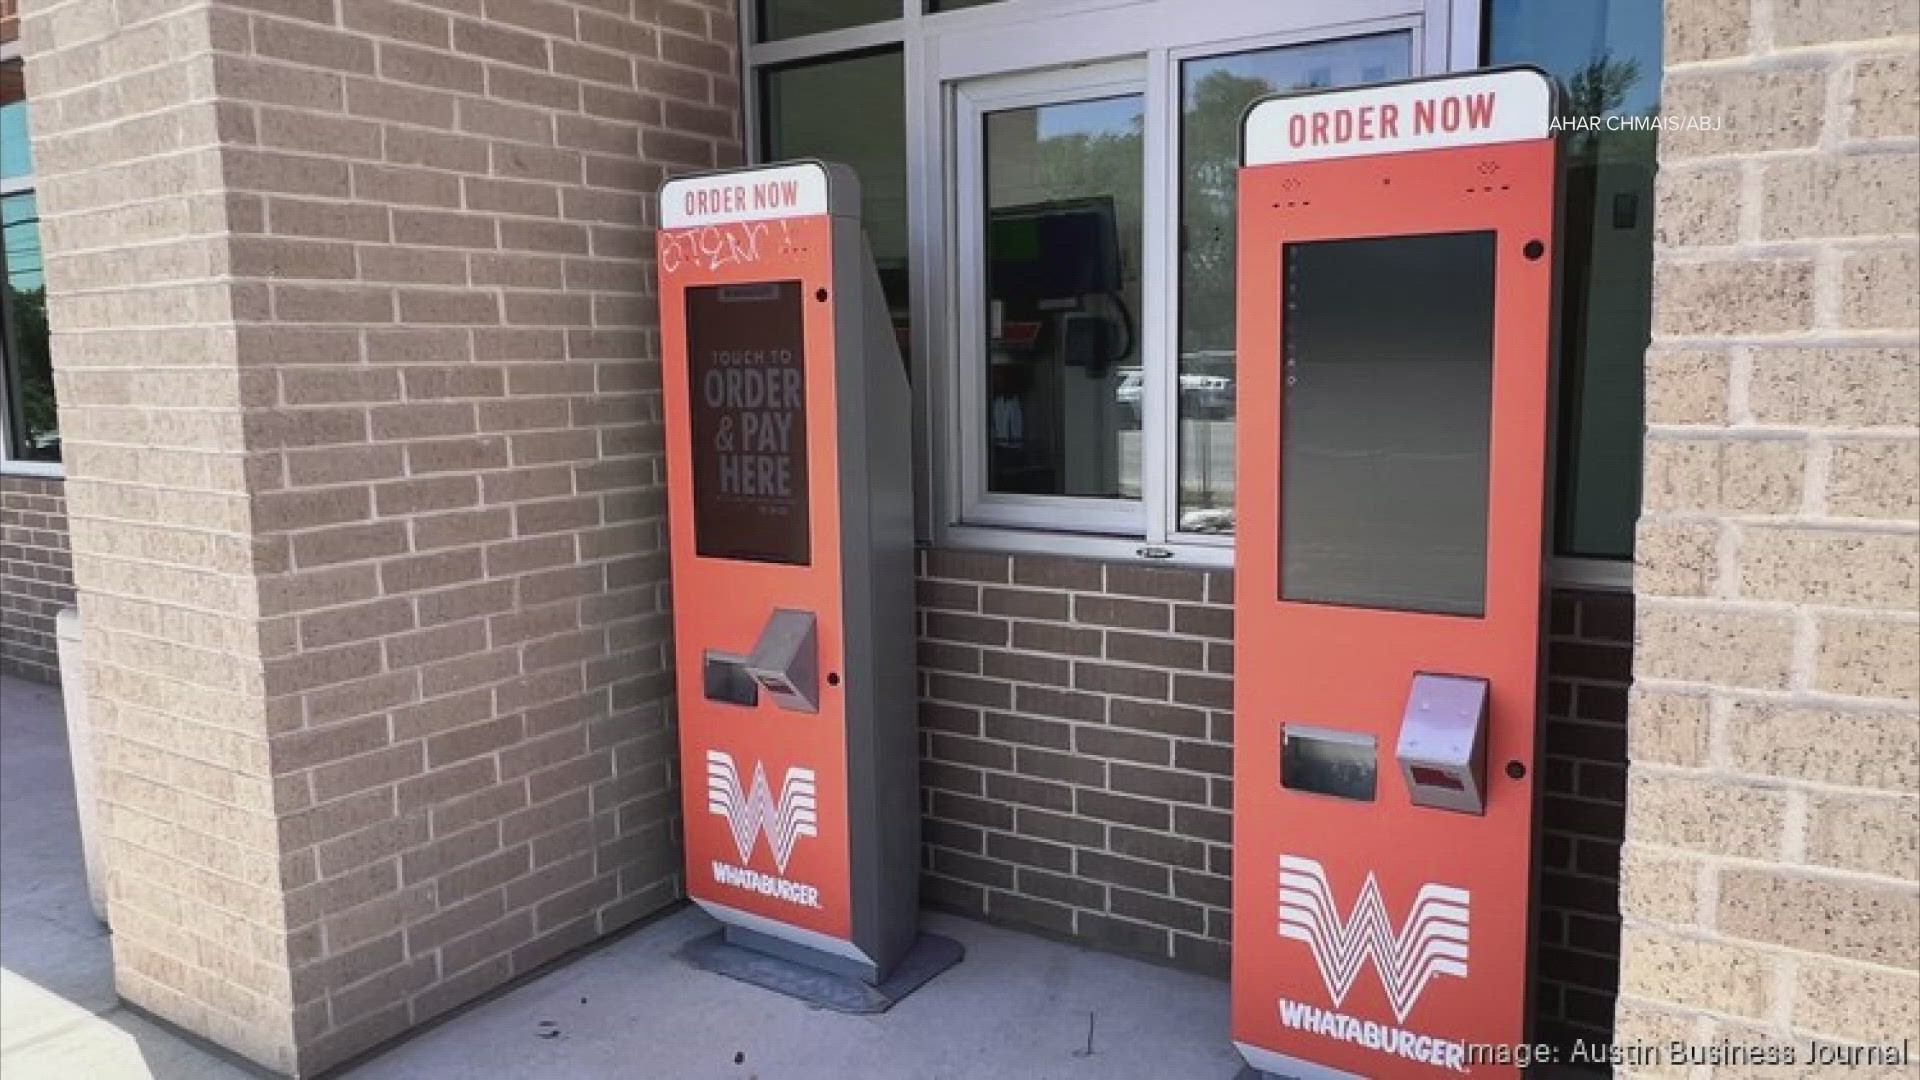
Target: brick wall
1576	955
1773	831
36	575
1079	739
353	335
1077	758
128	172
457	478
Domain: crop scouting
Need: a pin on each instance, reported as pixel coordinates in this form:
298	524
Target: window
1051	281
1607	60
794	18
804	110
1214	92
1052	212
29	424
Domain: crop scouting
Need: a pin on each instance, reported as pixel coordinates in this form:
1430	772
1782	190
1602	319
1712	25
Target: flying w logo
751	811
1432	942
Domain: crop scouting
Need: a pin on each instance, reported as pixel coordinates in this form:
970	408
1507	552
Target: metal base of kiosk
785	968
1275	1066
1248	1072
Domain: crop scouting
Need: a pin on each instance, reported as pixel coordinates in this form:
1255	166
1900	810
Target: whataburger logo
1432	942
753	811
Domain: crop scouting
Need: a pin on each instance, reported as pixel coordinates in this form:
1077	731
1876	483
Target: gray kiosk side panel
876	531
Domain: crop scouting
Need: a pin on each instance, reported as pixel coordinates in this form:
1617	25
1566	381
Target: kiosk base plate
931	954
1248	1072
1290	1068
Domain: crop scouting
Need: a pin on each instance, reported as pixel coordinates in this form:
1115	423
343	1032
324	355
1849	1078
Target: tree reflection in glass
1215	91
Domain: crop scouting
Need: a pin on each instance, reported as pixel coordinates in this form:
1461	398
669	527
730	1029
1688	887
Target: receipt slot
1395	299
791	537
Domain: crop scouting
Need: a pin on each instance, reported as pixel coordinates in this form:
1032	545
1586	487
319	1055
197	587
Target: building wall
1773	830
36	578
457	486
354	341
1077	756
36	575
127	162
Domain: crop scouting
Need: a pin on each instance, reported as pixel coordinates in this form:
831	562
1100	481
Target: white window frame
9	465
973	101
944	50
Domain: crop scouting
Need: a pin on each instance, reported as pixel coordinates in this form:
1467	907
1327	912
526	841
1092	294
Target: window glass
794	18
1386	412
16	157
1606	58
805	112
1214	93
1062	244
32	429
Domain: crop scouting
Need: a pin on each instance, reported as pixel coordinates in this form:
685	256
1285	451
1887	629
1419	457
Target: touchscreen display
748	396
1385	421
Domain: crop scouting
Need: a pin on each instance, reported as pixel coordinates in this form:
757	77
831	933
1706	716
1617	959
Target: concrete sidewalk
1018	1008
59	1017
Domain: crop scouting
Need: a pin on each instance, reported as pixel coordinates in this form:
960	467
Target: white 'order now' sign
745	195
1472	110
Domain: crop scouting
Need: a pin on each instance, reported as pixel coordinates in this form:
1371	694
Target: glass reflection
806	108
1214	93
1606	56
1063	296
794	18
33	427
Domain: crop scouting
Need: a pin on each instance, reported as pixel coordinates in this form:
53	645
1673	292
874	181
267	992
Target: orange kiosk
790	507
1396	284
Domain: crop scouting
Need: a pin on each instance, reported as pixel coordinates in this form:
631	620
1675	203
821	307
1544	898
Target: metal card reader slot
1443	742
786	660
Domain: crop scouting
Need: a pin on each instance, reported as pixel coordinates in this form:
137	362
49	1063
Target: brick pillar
128	163
1773	834
353	330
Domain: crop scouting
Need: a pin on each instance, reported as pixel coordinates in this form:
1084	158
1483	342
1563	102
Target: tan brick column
353	330
1773	828
133	216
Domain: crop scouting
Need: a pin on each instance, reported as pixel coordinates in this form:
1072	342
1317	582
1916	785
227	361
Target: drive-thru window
986	126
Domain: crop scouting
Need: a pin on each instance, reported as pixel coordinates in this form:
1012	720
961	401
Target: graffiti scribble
711	247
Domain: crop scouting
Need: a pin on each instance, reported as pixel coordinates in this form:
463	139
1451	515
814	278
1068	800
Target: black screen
1386	407
747	393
